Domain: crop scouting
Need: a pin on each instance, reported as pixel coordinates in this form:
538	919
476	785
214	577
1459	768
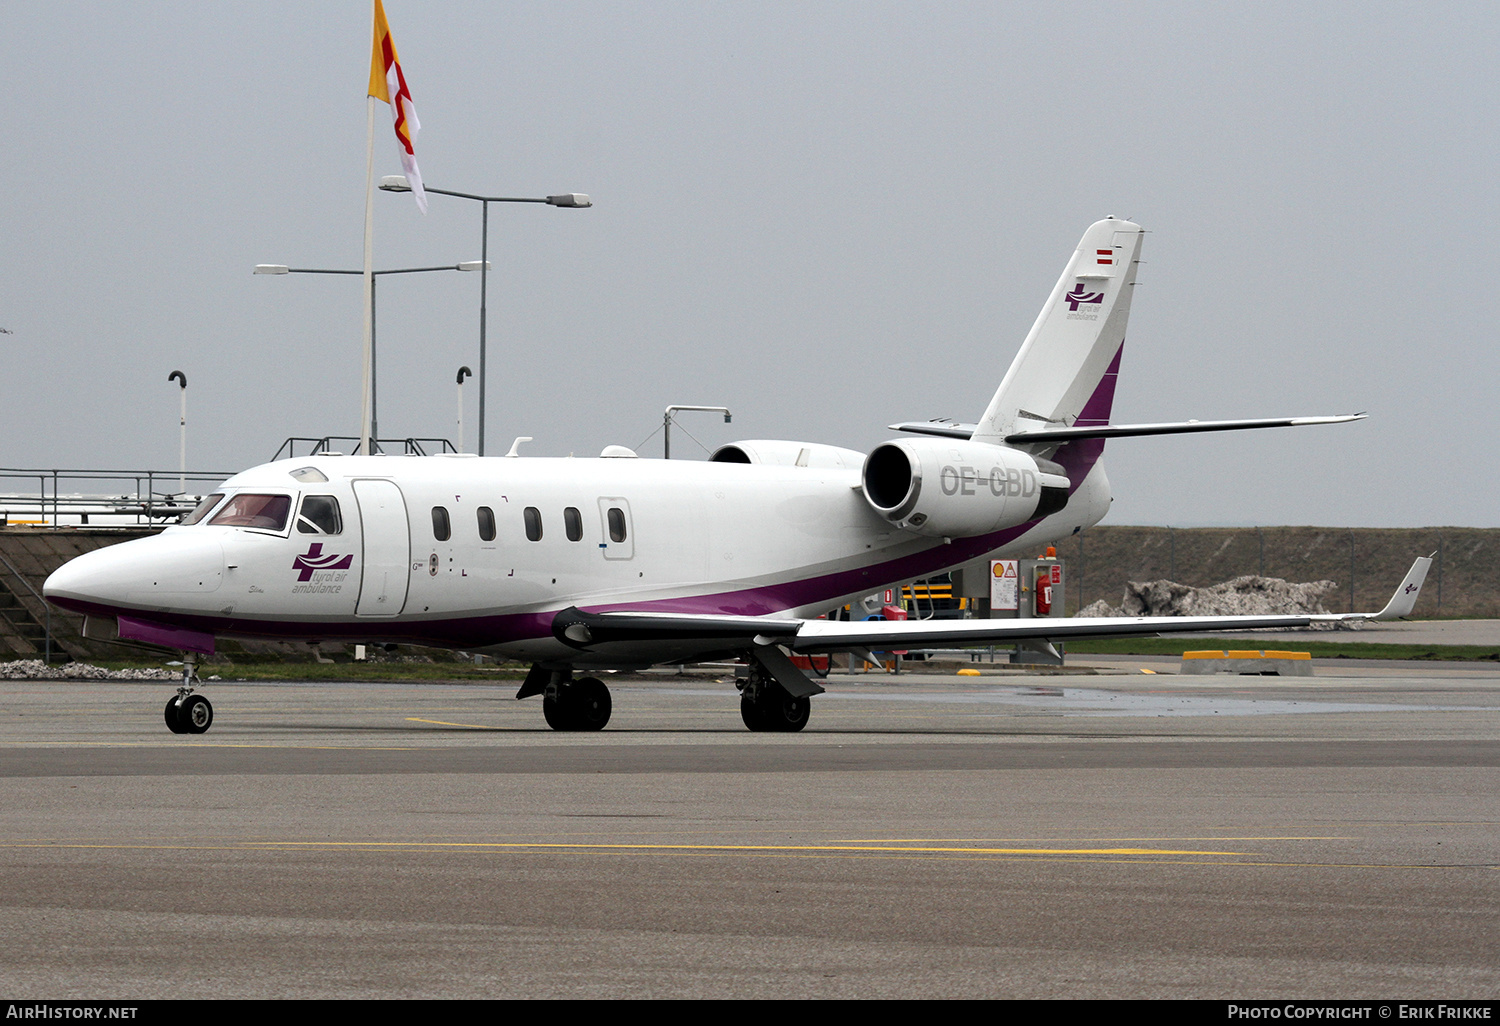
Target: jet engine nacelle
959	489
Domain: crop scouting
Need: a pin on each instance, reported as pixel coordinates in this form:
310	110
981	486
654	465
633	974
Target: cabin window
486	524
573	523
320	515
533	523
616	524
441	529
204	509
266	512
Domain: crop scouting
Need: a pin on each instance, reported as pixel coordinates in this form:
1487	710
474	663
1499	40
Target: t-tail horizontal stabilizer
953	429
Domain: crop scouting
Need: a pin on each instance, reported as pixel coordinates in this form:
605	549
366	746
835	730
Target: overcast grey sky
827	216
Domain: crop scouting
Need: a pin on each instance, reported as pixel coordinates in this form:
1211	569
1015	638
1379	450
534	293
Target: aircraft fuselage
480	553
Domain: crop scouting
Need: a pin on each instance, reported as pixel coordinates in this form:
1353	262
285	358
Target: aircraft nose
135	573
92	578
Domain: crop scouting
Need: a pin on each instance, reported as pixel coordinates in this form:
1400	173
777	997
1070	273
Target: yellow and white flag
389	84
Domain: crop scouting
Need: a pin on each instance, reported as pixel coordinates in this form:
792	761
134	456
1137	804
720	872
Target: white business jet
621	563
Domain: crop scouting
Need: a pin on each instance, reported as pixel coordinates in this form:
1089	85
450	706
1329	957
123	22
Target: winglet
1405	598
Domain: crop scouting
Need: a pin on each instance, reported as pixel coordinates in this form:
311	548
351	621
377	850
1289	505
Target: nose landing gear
187	713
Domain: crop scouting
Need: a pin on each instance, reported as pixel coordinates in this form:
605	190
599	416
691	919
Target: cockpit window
320	515
204	508
267	512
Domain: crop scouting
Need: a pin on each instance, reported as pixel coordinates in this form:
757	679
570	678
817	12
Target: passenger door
387	548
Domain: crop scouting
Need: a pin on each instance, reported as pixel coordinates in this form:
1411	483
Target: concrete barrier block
1248	662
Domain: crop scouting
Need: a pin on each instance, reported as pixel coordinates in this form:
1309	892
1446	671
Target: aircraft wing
583	630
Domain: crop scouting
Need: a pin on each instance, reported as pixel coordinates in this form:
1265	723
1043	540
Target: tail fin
1064	374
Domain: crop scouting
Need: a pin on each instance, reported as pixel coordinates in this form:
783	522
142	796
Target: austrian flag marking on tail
1106	256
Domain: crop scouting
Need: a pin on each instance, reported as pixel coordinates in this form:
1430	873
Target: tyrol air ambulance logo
320	572
1082	295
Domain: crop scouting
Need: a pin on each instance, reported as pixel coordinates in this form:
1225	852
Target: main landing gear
582	704
568	704
767	706
187	713
774	695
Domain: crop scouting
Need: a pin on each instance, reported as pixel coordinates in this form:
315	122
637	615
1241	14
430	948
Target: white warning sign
1005	579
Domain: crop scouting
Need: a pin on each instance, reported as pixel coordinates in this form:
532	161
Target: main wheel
774	710
174	720
195	715
753	713
591	704
787	714
558	711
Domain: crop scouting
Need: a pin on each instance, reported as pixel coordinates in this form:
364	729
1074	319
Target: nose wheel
187	713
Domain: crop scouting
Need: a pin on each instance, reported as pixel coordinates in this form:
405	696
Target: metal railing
330	444
100	498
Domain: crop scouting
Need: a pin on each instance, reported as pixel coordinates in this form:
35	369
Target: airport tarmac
1122	835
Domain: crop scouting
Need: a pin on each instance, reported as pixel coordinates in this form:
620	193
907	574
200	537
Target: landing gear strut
767	706
187	713
582	704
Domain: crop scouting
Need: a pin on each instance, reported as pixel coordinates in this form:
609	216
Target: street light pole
181	380
466	265
463	372
666	424
575	200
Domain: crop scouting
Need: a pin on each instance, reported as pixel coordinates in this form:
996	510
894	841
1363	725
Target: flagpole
365	447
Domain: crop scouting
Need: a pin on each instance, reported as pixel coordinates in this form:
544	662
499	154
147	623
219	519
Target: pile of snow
1244	596
35	669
